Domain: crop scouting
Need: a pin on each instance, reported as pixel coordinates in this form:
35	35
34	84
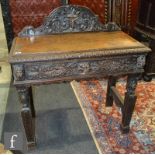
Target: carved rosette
69	18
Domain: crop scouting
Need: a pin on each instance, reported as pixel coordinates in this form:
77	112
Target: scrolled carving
69	18
57	69
111	26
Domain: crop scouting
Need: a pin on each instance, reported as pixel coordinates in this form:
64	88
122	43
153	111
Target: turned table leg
129	102
109	98
27	113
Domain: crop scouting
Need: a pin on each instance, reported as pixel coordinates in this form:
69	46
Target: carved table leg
129	102
109	99
26	113
31	102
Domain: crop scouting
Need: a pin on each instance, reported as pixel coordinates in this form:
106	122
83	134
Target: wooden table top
73	43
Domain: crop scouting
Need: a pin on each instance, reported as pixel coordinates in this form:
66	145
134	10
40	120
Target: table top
76	44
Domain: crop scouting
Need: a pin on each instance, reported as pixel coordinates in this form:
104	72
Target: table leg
109	98
129	102
27	113
31	102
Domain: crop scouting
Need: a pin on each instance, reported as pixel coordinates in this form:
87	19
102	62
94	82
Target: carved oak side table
74	56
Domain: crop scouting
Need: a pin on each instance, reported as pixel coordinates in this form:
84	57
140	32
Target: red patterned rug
104	122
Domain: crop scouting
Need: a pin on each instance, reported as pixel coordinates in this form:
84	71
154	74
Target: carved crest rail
69	18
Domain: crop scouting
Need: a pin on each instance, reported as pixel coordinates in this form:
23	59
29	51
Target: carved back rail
69	18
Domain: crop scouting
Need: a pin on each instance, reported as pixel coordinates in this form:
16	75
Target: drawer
78	68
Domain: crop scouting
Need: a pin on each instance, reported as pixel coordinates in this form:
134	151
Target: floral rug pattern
104	122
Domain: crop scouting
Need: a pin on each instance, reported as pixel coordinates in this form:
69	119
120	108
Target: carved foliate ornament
107	66
69	18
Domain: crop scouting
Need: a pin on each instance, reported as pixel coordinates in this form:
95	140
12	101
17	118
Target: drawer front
78	68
